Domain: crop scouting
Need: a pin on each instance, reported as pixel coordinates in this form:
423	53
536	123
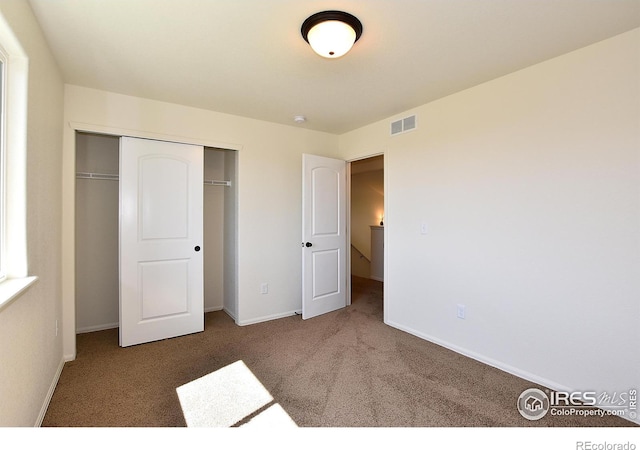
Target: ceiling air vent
403	125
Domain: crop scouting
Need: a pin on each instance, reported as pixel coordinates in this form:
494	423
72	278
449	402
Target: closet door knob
197	248
308	244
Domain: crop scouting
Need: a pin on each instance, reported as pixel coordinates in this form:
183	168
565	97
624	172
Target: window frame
3	174
14	167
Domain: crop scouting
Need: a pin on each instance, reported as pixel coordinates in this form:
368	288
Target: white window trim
14	98
3	172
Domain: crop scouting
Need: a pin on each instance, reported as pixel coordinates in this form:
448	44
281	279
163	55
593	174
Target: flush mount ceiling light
331	33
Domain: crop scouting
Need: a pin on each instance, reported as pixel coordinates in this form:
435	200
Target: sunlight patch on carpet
228	397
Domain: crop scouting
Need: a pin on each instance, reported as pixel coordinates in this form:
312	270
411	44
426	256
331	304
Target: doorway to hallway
367	228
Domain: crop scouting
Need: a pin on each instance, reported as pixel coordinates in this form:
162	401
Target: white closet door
161	232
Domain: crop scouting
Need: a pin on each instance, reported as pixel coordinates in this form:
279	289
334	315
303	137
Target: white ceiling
247	57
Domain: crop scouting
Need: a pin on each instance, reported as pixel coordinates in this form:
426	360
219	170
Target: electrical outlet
264	288
424	228
462	312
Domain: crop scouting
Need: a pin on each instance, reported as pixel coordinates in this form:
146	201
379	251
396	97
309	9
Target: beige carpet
342	369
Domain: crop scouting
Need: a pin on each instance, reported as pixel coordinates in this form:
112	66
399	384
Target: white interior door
161	264
324	234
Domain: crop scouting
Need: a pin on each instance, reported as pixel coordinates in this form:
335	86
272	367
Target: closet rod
97	176
115	177
217	182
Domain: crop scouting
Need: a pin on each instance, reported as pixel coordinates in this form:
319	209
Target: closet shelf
115	177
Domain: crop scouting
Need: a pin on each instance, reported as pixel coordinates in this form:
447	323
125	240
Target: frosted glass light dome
331	39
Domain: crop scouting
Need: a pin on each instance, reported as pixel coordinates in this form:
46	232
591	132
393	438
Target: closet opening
97	209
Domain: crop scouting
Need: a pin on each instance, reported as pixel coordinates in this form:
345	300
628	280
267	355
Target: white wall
31	353
530	186
269	187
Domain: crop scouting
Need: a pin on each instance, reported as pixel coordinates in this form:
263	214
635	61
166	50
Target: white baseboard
214	308
267	318
230	314
52	388
533	378
91	329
